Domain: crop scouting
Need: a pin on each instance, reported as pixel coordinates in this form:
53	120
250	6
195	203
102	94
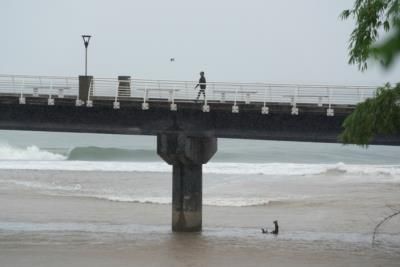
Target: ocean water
65	188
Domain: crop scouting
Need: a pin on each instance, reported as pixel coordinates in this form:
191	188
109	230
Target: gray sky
231	40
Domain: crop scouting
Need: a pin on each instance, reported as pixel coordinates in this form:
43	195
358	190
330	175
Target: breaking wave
142	160
77	190
33	153
277	169
208	201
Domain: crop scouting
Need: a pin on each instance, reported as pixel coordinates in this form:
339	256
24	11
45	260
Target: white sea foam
33	158
142	200
208	201
32	153
249	201
276	169
77	190
44	186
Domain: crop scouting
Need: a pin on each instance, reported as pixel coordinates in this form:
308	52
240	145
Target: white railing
35	86
176	92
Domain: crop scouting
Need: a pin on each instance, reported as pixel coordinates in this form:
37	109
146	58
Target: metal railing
35	86
176	92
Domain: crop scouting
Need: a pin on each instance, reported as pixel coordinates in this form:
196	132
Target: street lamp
86	39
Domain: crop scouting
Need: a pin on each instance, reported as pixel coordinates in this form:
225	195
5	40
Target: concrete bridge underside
186	138
311	125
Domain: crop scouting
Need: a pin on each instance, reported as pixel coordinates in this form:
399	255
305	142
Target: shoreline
188	250
48	218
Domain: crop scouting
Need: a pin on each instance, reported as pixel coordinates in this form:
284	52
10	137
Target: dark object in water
274	232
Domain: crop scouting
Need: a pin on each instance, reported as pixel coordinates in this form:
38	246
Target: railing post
330	112
50	101
235	108
36	89
320	100
295	109
265	109
145	105
22	98
206	107
89	103
116	104
173	106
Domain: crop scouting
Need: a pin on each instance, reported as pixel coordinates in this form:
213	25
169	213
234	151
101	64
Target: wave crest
273	169
207	201
33	153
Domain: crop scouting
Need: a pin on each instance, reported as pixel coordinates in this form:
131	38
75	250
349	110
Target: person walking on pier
202	84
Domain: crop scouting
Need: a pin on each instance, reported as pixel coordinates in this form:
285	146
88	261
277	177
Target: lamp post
86	39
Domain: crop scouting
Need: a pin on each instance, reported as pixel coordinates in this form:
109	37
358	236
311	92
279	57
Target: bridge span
186	129
292	112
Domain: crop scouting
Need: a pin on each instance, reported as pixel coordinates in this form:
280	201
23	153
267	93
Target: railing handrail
255	84
39	76
180	90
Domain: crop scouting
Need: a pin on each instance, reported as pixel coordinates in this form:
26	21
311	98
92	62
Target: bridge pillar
84	86
186	154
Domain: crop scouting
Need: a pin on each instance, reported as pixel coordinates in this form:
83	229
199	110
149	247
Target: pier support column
186	154
84	87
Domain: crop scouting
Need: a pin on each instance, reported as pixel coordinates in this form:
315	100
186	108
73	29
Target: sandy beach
66	204
40	229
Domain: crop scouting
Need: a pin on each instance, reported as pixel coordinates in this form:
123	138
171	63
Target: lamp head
86	39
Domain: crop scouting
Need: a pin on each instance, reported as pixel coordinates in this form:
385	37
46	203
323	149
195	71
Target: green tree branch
372	17
380	114
377	115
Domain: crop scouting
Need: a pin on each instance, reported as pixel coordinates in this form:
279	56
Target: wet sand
191	254
41	230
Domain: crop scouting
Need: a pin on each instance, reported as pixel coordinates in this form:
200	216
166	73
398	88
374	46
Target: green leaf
379	115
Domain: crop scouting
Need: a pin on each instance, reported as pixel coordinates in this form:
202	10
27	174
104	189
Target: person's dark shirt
276	230
202	82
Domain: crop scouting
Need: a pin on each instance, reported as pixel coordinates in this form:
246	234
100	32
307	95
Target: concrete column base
84	87
187	198
186	154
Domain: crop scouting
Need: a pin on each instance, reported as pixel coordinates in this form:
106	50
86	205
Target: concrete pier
186	154
84	87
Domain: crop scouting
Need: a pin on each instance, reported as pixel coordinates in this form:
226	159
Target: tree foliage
380	114
372	18
377	115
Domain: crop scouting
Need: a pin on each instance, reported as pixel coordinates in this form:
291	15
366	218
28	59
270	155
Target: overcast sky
247	40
